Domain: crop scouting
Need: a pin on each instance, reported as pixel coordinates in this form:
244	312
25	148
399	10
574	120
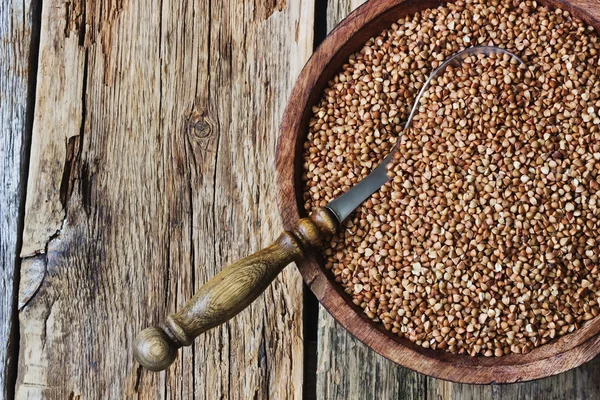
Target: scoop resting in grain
484	241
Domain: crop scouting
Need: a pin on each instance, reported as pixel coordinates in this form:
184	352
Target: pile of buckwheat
486	240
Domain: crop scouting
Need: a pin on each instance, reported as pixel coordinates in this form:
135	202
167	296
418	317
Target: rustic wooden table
137	148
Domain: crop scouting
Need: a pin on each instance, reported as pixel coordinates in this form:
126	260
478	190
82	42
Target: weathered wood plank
15	56
346	368
154	134
438	389
580	383
338	10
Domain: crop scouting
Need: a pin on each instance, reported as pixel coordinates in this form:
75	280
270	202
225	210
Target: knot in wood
198	125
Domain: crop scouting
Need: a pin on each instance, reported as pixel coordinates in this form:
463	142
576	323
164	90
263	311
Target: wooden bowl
565	353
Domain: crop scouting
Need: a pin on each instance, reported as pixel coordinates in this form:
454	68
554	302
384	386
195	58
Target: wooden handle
230	291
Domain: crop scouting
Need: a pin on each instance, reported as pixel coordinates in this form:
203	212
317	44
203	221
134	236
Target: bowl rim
562	354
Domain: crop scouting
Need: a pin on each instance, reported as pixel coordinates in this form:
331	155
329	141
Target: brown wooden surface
152	166
339	352
232	290
16	54
152	146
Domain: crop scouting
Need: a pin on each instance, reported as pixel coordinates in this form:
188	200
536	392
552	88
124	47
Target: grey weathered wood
580	383
346	368
152	168
338	10
438	389
232	290
15	45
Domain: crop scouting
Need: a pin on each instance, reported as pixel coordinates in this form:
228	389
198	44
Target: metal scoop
344	205
237	285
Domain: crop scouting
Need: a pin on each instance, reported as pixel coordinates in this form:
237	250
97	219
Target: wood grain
346	368
152	154
581	383
232	290
16	33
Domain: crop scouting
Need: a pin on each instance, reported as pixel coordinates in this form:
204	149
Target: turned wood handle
230	291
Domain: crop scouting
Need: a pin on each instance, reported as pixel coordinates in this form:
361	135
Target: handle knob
231	291
154	349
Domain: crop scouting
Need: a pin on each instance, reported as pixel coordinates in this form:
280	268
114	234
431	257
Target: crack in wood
113	210
18	66
263	9
33	272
